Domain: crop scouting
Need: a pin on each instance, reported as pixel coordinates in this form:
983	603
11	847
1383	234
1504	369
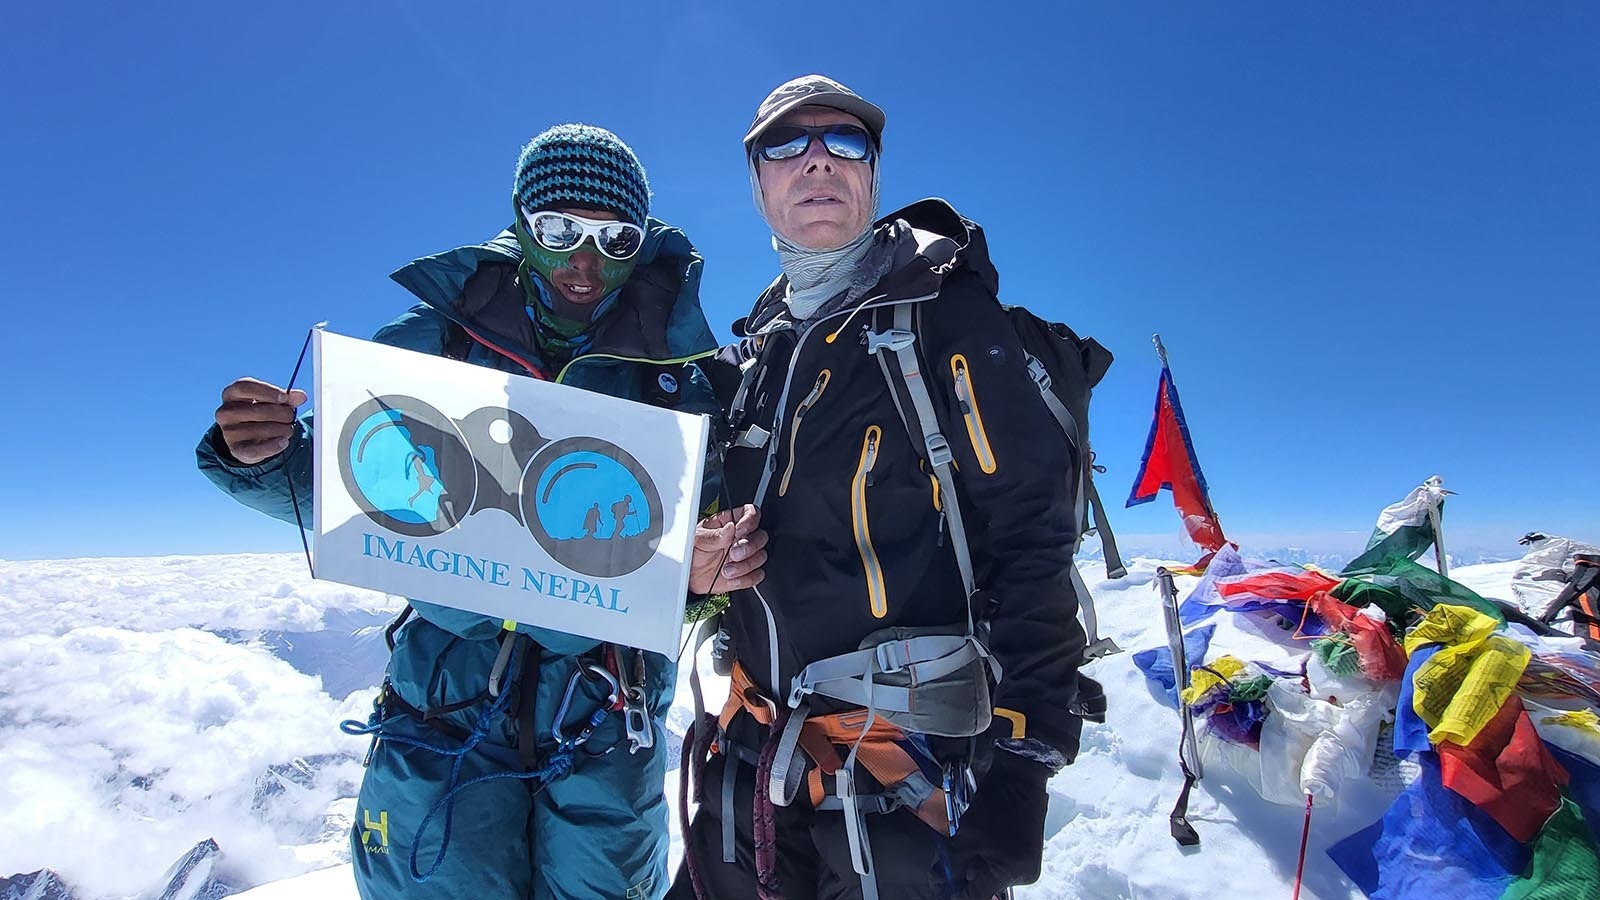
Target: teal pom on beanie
582	165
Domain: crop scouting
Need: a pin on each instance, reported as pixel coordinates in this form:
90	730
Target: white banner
504	495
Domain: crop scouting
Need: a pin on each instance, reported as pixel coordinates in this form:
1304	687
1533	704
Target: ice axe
1189	746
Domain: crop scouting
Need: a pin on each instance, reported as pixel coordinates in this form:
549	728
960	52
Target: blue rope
944	866
557	766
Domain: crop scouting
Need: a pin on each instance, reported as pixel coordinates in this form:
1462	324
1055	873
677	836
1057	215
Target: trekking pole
1188	746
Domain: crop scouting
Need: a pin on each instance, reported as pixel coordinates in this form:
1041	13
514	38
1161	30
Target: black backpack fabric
1065	368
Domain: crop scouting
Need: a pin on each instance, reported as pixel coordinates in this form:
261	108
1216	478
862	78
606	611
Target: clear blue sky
1369	232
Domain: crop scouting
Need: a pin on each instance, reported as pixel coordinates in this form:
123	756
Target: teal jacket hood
663	292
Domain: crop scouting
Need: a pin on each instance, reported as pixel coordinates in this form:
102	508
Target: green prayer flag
1564	864
1405	530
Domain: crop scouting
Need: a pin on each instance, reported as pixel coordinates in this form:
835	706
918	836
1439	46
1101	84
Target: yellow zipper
794	424
969	412
877	594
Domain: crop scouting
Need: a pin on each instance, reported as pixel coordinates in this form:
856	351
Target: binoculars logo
417	472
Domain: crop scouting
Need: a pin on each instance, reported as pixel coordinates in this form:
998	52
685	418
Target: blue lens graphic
395	475
574	491
592	507
407	466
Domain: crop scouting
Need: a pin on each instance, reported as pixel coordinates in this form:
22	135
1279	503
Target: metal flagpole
1438	540
1436	520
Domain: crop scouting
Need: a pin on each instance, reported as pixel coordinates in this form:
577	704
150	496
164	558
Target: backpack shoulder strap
901	342
1088	493
1089	497
1108	541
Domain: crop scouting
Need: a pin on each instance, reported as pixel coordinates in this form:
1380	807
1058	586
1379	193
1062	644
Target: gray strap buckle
939	450
798	689
1103	647
1039	374
891	656
754	437
895	339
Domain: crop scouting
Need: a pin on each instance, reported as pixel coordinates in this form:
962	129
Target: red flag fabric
1169	462
1507	772
1278	585
1380	657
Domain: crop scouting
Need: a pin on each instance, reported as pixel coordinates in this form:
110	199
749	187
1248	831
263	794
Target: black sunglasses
782	142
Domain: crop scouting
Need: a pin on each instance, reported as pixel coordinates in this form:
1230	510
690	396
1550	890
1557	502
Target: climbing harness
558	763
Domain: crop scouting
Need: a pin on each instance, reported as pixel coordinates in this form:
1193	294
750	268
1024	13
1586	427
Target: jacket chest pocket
793	426
759	400
967	399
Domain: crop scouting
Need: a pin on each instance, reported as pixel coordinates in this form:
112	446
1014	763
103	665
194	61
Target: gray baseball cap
814	90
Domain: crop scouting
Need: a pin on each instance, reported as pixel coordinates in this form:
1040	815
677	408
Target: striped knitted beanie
582	165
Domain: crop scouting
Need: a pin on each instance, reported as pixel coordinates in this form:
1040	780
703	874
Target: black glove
1001	839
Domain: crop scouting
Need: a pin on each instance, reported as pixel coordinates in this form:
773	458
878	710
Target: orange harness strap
821	736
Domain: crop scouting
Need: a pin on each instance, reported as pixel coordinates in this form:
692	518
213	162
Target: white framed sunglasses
560	232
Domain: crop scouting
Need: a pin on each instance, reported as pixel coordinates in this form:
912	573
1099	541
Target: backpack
1065	368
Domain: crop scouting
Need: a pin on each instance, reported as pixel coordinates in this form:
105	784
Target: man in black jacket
863	556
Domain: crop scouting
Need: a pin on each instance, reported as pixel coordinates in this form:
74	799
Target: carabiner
599	715
508	642
959	784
